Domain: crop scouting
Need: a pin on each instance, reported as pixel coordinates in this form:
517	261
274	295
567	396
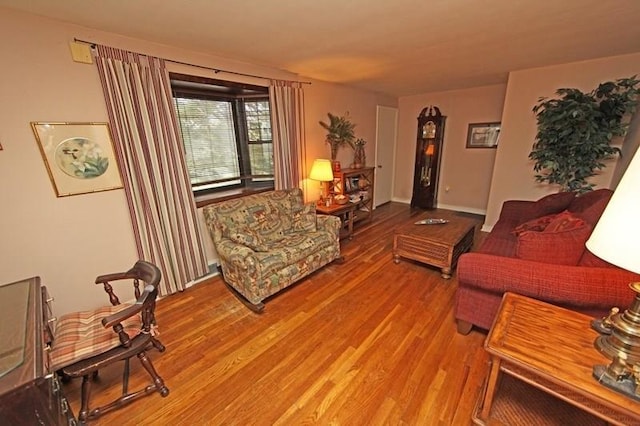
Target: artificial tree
340	131
575	132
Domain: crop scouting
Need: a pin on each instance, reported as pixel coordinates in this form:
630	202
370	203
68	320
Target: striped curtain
149	149
287	125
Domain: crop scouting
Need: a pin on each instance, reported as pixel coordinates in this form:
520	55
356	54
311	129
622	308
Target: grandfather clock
428	153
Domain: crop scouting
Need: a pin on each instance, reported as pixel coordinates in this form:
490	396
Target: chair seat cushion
81	335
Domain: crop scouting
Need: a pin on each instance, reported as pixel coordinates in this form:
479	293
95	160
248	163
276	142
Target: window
226	130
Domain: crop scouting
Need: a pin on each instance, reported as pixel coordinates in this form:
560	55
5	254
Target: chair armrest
130	311
329	223
122	315
110	277
578	286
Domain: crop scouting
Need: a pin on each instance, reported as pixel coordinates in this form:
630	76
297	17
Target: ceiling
397	47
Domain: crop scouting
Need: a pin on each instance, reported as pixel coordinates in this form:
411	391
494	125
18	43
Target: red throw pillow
560	247
538	224
564	221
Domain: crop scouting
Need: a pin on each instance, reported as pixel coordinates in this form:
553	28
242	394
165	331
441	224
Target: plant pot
335	165
359	157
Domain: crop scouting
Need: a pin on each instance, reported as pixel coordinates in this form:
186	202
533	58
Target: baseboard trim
462	209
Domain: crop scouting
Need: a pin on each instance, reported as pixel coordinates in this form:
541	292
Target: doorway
386	132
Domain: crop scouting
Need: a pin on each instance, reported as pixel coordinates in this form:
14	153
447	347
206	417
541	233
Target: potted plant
340	131
359	155
575	131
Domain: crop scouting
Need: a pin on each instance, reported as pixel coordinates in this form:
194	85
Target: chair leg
85	394
125	378
156	344
157	380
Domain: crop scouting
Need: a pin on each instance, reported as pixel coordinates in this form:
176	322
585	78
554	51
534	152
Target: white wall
465	173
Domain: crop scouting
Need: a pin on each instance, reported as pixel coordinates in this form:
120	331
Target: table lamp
321	171
616	239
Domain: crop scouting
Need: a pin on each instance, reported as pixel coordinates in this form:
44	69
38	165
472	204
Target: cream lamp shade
616	236
321	170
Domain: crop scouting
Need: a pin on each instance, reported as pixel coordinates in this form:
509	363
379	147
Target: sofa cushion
590	259
587	199
564	247
304	218
291	249
590	205
250	238
552	203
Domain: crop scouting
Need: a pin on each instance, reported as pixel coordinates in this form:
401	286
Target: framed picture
483	135
79	157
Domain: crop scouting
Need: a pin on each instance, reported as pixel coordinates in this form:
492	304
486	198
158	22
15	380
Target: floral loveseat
270	240
537	249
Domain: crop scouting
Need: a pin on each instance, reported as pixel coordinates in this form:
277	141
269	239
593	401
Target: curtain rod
215	70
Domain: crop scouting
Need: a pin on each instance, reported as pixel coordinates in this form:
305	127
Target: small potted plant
340	131
359	155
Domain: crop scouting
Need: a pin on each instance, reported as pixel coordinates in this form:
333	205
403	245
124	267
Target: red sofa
522	255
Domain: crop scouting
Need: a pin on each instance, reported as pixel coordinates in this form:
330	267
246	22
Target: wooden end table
437	245
346	213
552	349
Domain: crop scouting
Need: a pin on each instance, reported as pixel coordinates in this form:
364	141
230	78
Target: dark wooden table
439	245
345	212
552	349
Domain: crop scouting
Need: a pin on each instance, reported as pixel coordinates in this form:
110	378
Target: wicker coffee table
438	245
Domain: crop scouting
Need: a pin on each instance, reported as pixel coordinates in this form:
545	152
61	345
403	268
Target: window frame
236	94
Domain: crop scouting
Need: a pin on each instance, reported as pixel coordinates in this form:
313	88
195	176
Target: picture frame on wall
483	135
79	157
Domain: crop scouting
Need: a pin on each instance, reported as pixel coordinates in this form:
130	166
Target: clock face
429	130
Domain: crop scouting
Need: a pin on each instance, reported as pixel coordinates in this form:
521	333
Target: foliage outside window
226	130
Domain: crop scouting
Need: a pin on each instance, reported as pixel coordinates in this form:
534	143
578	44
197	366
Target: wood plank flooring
366	342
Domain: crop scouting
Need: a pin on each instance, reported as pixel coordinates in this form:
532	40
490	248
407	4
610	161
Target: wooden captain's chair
85	342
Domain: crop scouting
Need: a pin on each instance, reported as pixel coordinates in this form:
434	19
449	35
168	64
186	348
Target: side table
346	213
550	348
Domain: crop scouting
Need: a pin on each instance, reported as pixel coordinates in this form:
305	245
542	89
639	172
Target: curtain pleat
287	116
148	145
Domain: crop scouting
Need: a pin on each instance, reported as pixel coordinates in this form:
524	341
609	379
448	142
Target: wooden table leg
350	216
491	388
446	273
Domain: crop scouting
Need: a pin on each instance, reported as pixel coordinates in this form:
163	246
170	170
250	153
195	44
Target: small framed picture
79	157
483	135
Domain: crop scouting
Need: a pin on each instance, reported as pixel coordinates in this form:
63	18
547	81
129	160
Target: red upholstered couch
553	266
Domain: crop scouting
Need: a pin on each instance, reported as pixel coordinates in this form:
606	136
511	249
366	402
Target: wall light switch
81	52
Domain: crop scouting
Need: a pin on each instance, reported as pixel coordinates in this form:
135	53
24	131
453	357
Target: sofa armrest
238	255
329	223
578	286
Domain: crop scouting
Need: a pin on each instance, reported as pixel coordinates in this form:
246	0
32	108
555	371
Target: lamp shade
321	170
616	237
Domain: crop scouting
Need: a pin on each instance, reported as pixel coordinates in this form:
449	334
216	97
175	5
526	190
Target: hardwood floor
366	342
